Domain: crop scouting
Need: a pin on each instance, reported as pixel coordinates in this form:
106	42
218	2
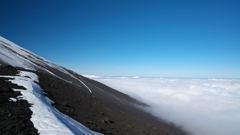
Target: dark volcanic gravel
90	111
14	116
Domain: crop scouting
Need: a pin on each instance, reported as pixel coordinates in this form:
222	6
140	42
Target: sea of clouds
200	106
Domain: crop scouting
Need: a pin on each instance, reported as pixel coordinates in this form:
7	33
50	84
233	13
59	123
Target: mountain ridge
70	90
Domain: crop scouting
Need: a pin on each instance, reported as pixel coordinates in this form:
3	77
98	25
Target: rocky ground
95	113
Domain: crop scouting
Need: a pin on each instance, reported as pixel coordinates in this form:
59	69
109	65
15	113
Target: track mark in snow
66	72
118	99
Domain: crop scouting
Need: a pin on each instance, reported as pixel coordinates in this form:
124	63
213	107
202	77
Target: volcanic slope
95	105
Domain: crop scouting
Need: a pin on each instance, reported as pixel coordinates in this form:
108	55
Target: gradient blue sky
162	38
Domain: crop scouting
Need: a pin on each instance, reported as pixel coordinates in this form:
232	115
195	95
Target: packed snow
46	119
200	106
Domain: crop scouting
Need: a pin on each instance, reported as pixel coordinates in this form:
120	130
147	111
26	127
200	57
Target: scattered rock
106	120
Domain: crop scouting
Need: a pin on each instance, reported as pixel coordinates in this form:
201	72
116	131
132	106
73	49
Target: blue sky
162	38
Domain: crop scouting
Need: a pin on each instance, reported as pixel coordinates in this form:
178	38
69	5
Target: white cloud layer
200	106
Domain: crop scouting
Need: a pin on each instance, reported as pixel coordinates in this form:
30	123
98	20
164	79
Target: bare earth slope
93	104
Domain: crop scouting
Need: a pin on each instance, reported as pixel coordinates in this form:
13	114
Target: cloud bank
200	106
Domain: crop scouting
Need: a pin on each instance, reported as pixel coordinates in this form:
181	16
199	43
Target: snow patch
46	119
12	99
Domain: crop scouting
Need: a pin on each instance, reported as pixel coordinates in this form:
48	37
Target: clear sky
155	38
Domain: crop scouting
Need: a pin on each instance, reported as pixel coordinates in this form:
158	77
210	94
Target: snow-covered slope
17	56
